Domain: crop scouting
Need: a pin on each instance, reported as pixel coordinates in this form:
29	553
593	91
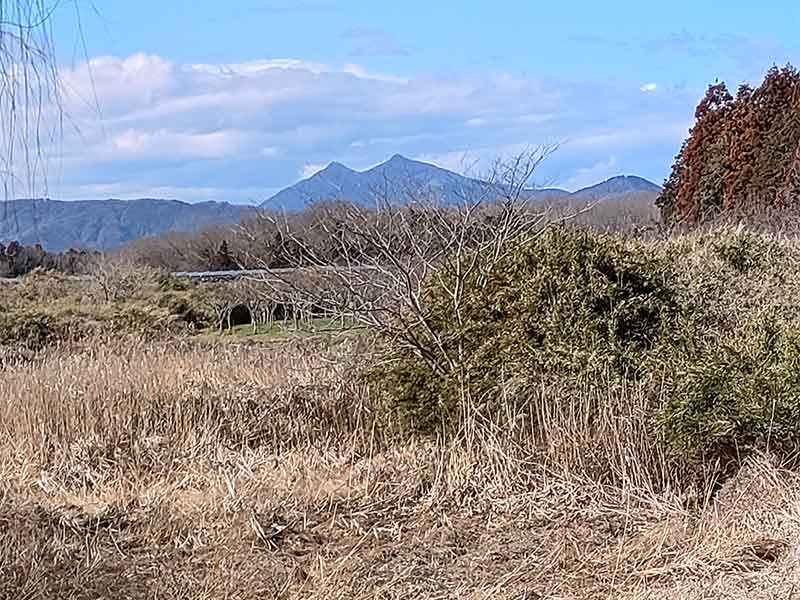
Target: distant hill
107	224
110	224
401	178
617	186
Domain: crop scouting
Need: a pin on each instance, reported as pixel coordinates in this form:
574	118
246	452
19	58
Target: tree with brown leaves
743	154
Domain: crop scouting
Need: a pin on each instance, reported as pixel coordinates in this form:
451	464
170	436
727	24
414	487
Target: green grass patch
279	331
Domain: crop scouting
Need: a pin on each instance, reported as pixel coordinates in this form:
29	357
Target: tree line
17	260
743	154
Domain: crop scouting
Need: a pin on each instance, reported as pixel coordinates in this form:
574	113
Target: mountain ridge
112	223
400	177
107	224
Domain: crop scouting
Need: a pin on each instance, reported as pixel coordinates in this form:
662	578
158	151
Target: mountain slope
106	224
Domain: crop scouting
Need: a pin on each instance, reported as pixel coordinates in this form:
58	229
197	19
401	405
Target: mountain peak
335	167
400	177
627	178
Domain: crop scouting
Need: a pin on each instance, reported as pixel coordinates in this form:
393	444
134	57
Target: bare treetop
29	94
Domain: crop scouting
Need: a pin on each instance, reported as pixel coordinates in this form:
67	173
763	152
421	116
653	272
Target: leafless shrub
30	101
120	279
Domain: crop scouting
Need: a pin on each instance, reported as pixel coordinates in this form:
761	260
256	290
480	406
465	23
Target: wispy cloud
311	169
373	41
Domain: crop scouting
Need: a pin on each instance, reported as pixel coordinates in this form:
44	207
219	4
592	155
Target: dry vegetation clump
632	213
47	308
333	232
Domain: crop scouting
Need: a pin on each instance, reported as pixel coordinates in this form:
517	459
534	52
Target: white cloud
166	144
270	151
595	173
311	169
236	127
361	73
648	88
119	84
255	68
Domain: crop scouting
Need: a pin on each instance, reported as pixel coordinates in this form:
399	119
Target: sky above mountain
200	100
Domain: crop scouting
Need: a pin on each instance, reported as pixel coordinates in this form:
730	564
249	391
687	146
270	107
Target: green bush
28	331
733	397
187	308
566	303
743	251
34	330
707	327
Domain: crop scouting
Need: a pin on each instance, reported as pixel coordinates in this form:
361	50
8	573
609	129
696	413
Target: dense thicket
17	260
704	327
334	233
742	155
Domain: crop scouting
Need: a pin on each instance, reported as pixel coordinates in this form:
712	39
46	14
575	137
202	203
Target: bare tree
379	264
119	278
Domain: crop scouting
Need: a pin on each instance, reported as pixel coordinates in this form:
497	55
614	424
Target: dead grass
137	469
164	468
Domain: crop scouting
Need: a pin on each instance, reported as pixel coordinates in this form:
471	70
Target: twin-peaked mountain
400	179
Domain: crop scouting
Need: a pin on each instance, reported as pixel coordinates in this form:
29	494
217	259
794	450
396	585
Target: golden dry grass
136	469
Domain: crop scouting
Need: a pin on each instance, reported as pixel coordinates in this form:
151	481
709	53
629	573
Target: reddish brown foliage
742	155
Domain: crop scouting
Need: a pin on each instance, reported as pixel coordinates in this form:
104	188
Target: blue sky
205	100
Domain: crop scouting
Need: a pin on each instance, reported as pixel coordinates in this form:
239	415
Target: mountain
400	178
397	178
106	224
617	186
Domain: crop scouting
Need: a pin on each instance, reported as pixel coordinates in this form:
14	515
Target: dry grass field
165	468
135	470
